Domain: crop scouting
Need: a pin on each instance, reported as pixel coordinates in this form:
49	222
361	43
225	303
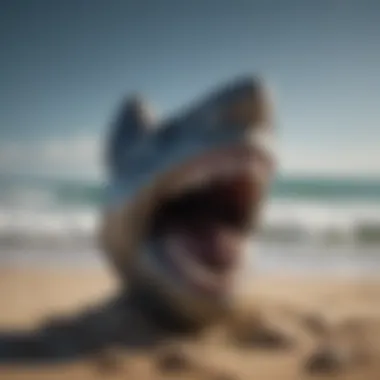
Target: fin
134	119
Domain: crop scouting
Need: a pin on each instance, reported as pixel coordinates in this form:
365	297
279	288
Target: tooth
190	267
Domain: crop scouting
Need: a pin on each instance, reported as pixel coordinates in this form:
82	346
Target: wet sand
349	307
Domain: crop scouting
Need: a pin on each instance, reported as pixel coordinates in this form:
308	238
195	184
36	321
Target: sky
65	65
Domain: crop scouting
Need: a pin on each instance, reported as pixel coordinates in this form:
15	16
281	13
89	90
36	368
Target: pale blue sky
65	65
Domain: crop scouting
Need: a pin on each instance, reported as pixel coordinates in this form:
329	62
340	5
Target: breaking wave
51	213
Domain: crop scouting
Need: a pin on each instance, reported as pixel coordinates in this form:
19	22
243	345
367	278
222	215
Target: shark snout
247	103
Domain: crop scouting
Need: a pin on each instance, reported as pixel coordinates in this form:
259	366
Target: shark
184	195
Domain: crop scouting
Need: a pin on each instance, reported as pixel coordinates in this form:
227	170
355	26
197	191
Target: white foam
288	222
39	216
322	222
30	228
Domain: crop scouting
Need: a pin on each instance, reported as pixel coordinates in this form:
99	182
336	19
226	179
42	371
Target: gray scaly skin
145	157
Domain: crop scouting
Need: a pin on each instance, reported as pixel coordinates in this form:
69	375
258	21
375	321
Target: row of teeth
182	259
207	174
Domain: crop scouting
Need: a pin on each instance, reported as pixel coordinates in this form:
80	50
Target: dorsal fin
134	119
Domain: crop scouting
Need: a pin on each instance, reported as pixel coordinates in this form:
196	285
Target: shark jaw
200	224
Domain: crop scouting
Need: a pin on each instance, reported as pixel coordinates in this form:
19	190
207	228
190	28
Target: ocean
310	223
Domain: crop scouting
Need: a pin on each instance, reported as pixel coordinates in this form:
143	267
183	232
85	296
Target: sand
27	296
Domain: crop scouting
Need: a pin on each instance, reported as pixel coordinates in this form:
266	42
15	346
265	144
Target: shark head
185	194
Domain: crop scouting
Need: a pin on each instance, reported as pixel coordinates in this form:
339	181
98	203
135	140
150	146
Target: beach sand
28	296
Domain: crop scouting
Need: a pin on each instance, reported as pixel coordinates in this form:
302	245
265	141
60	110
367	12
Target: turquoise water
327	188
309	225
301	210
292	188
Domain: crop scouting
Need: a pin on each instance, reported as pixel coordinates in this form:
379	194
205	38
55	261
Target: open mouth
203	226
